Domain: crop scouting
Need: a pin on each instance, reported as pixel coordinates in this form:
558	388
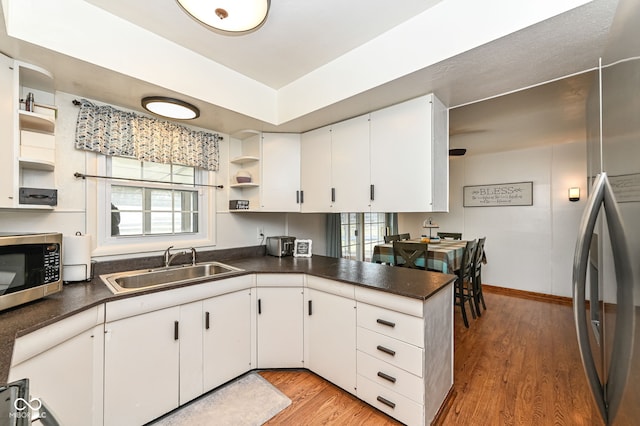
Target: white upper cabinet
350	165
409	157
7	111
280	172
315	170
393	160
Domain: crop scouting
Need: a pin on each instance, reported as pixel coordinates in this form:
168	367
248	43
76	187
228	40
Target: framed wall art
302	248
498	195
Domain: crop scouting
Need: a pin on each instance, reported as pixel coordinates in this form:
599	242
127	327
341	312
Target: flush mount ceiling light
233	16
170	107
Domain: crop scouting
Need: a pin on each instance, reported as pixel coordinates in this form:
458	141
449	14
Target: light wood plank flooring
518	364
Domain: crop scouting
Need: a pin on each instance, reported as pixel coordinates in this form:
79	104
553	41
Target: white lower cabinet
164	349
63	363
226	338
141	367
280	327
330	335
190	340
405	353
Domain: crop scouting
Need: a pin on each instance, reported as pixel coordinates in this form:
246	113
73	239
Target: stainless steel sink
128	281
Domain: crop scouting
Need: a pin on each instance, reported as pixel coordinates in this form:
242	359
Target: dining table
444	256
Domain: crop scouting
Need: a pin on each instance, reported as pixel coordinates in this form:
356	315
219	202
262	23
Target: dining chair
404	237
406	254
479	259
450	235
390	238
464	282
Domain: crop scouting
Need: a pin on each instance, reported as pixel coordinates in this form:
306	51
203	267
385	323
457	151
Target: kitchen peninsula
394	321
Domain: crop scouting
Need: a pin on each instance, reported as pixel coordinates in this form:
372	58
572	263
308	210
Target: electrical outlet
260	232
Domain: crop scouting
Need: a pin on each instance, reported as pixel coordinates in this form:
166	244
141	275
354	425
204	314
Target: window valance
104	129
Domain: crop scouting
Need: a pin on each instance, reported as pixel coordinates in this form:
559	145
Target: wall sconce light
574	194
170	107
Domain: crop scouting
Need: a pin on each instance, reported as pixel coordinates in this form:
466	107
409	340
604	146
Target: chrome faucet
168	257
193	256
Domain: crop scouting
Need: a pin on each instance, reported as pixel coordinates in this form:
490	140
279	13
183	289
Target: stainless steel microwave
30	267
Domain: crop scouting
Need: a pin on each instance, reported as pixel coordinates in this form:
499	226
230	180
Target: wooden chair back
450	235
479	255
390	238
406	254
467	267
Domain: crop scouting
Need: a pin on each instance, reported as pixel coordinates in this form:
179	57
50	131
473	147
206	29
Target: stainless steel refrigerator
606	273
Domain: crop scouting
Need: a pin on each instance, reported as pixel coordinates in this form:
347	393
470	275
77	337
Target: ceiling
299	37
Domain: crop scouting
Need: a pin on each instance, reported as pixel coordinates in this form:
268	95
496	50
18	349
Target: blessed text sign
501	194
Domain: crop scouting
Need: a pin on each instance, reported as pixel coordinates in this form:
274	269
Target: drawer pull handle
385	322
386	402
176	332
386	377
386	350
207	320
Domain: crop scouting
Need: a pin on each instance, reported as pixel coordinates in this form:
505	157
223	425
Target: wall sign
626	188
498	195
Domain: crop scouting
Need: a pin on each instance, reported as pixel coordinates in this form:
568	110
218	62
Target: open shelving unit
245	156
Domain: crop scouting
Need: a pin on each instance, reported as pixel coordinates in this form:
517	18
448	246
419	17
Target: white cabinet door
227	337
68	377
330	332
280	327
409	167
350	173
191	360
141	367
7	111
280	172
315	170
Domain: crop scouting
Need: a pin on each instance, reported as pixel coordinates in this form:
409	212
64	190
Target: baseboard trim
550	298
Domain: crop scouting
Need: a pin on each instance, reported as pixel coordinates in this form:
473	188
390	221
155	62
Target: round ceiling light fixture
231	16
170	107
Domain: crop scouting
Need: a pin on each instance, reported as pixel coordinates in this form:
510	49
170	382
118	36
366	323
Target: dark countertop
77	297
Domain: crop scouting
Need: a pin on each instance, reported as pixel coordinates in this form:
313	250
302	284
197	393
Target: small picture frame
302	248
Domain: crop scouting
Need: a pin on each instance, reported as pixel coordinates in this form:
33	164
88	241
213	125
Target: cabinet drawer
390	377
392	403
393	351
394	324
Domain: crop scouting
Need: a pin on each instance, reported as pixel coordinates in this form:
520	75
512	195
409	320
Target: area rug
248	401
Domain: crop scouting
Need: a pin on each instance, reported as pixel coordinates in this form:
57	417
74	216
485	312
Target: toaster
280	246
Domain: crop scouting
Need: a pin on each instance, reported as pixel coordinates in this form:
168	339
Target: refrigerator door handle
609	396
623	335
580	263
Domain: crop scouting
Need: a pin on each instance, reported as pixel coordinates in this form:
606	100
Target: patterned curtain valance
109	131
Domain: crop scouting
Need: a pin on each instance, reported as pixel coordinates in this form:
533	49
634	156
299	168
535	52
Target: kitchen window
146	206
154	207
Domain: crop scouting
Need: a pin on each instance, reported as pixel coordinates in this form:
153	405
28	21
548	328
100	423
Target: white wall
528	247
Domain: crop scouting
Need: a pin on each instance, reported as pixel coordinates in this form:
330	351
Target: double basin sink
122	282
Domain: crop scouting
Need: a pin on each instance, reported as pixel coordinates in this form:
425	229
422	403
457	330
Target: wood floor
516	365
